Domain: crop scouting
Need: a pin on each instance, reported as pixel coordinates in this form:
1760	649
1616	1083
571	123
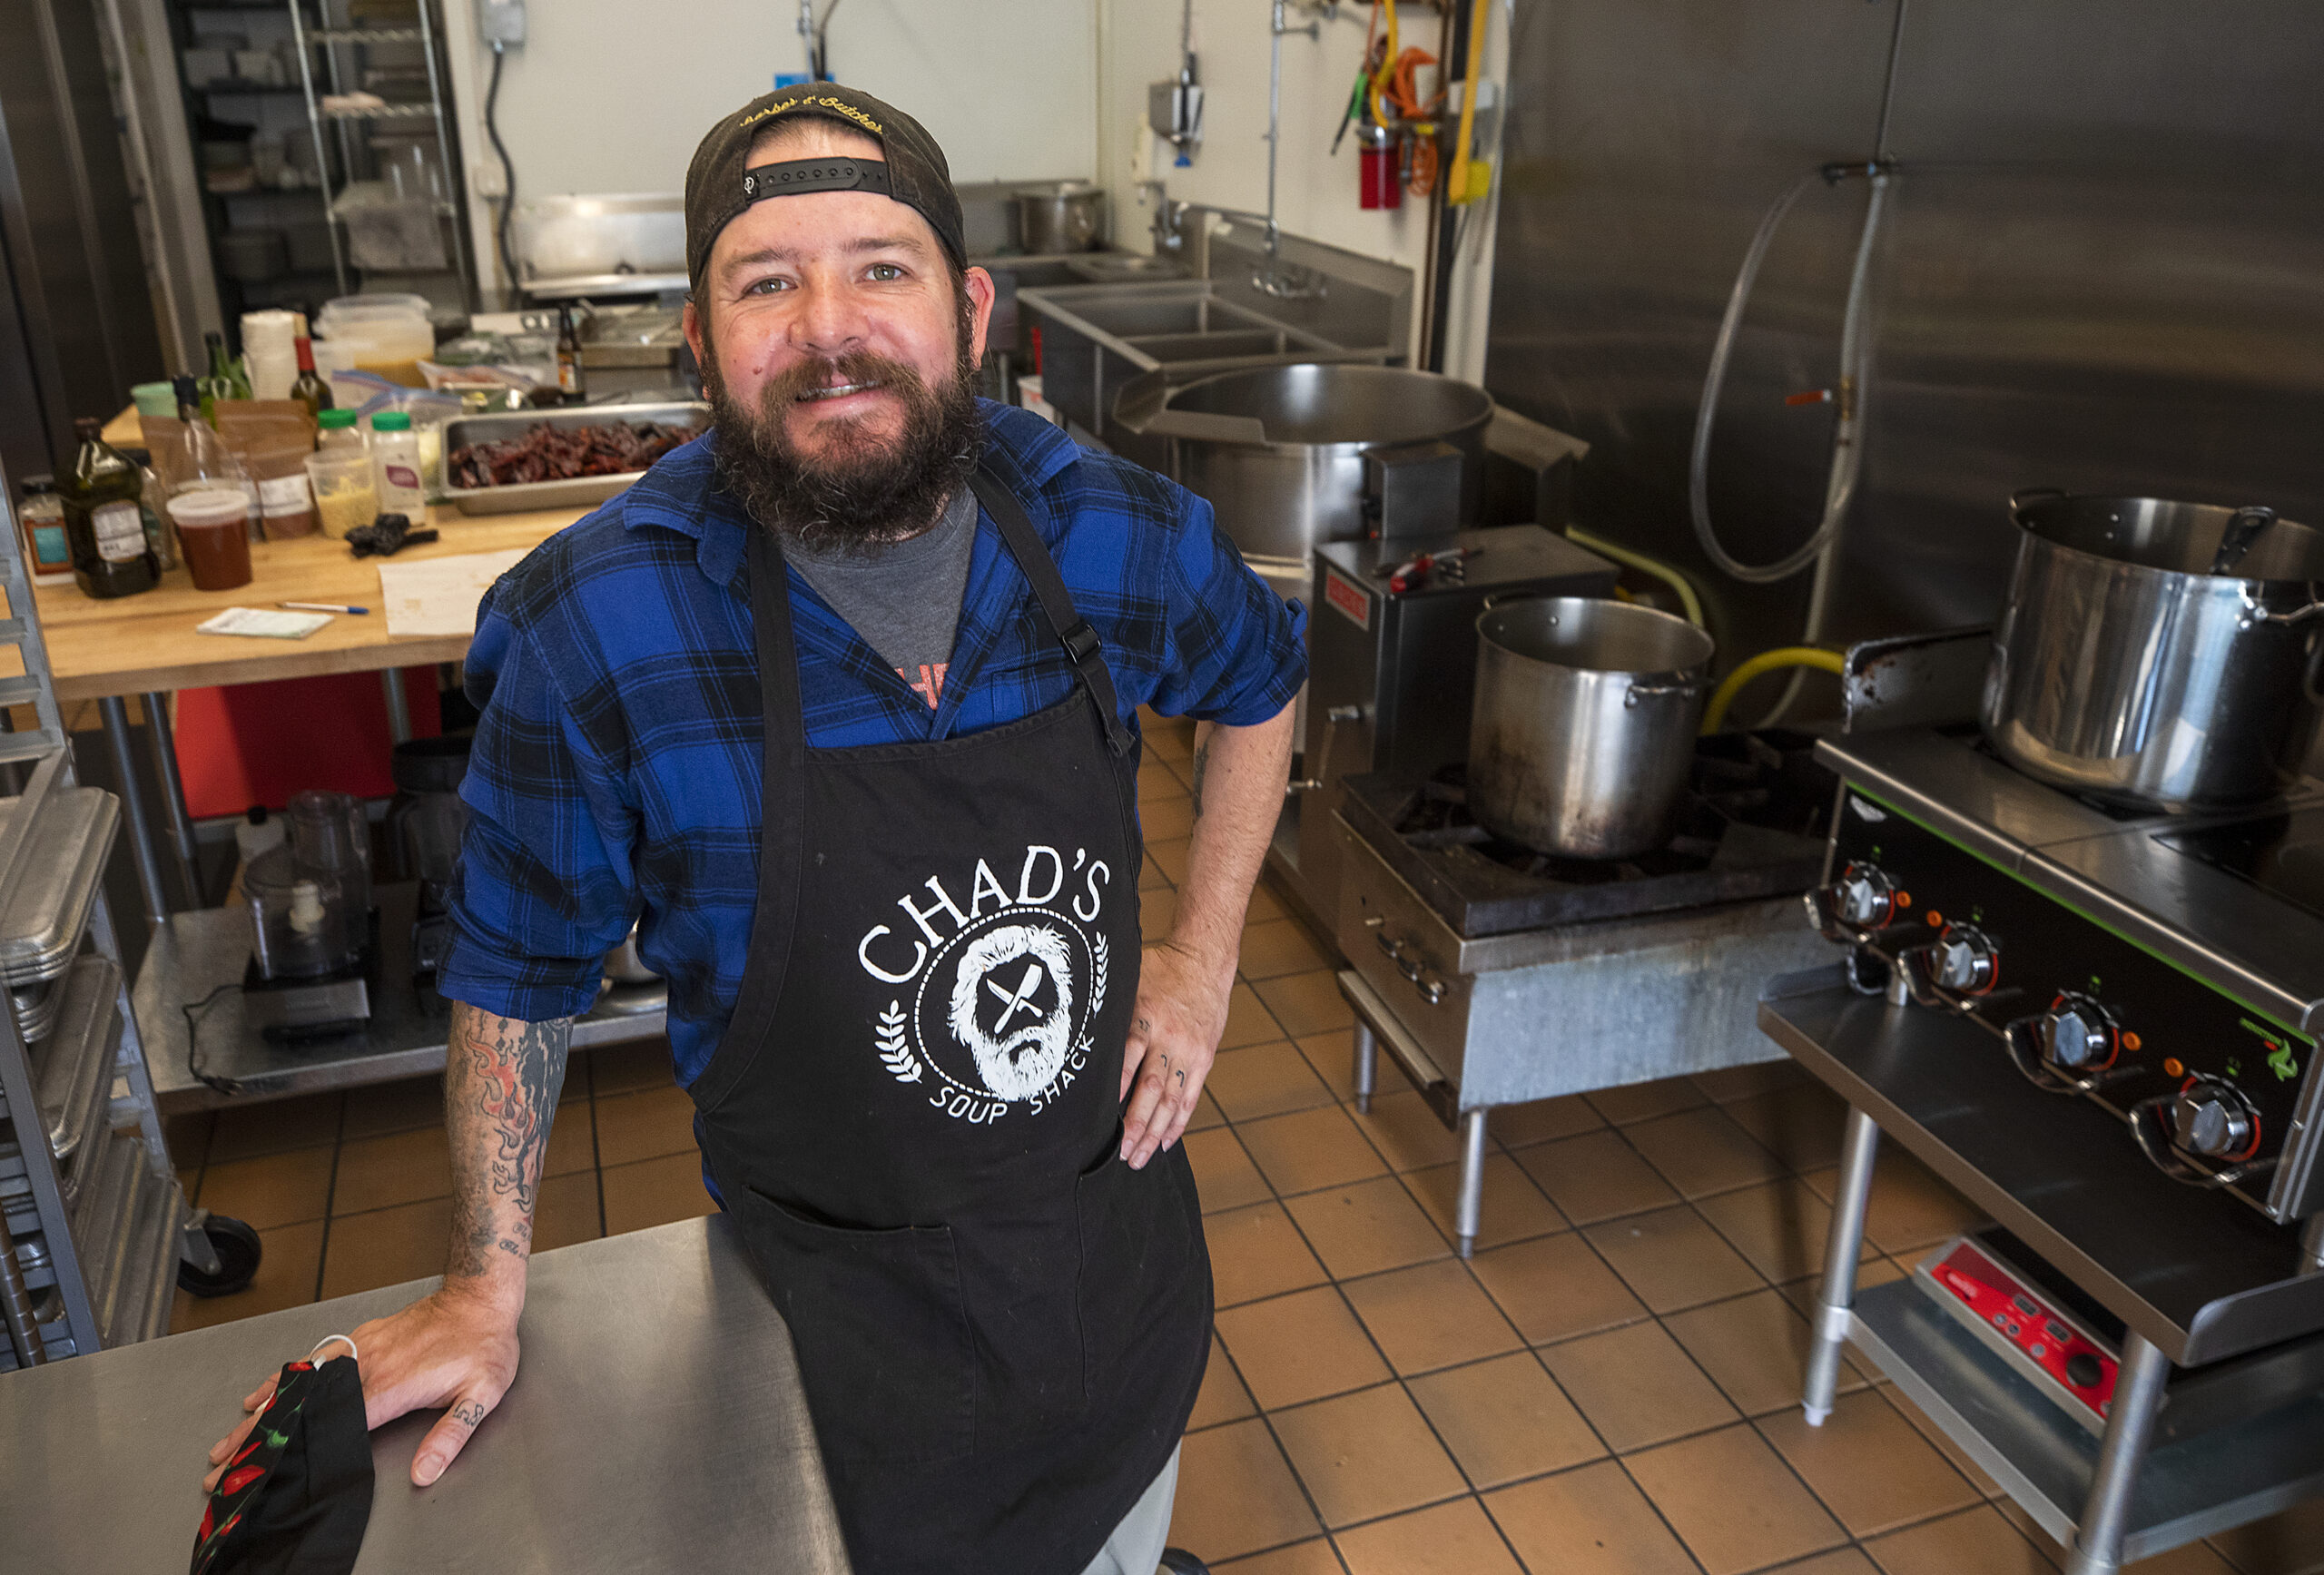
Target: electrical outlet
486	179
501	22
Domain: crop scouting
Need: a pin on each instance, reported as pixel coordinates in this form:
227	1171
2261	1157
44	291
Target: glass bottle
48	556
203	459
104	518
572	383
310	389
218	382
155	497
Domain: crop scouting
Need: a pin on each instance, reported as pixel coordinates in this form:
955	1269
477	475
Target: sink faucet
1169	220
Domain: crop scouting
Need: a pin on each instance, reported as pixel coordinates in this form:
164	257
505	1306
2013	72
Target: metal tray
580	490
73	1083
36	1007
41	926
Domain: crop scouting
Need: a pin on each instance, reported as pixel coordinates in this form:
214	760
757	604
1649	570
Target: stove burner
1751	824
2282	854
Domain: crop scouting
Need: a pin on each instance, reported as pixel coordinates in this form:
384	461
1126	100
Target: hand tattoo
468	1412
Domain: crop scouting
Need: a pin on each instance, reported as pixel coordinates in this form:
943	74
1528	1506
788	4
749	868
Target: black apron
914	1118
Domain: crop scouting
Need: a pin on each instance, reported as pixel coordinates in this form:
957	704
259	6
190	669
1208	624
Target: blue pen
321	607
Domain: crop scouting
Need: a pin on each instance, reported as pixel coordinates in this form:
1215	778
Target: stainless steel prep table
193	957
655	1424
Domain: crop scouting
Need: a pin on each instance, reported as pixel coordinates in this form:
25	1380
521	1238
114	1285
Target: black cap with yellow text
720	184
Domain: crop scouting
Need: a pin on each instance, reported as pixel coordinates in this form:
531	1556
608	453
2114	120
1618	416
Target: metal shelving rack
93	1222
434	109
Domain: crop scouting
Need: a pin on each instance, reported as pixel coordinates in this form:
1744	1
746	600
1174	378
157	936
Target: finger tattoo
468	1412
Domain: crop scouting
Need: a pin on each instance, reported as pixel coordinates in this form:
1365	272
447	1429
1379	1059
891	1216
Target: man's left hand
1174	1034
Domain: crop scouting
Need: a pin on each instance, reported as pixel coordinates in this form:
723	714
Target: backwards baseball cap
719	185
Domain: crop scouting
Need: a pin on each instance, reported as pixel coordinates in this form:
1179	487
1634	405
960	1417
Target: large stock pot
1584	724
2157	654
1279	450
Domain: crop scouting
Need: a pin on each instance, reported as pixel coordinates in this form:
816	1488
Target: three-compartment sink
1095	338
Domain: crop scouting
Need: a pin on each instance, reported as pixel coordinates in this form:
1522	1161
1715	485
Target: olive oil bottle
103	521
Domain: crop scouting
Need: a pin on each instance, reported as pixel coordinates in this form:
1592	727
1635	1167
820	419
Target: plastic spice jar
395	455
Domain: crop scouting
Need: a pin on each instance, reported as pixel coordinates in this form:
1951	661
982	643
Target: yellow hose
1660	570
1823	661
1457	184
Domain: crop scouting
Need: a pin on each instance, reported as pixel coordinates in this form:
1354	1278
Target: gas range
2168	968
1751	824
1494	975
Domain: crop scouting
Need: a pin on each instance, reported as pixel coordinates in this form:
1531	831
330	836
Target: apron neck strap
1071	629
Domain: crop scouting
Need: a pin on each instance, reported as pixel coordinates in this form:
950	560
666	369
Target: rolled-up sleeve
1237	653
545	885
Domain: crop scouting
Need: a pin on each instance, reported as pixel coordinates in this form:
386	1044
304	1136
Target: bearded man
839	703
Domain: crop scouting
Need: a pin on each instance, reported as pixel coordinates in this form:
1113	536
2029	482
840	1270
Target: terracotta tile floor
1610	1386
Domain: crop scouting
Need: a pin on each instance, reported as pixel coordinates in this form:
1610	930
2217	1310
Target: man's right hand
454	1349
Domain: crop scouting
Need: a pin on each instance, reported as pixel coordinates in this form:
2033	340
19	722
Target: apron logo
1006	992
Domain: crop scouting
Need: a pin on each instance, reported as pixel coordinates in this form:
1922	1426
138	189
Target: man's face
818	312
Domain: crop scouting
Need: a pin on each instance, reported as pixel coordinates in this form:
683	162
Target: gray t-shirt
904	599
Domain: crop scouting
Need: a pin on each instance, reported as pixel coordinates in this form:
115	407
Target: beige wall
610	95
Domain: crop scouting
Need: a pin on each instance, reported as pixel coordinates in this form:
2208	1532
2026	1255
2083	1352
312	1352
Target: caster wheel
238	1249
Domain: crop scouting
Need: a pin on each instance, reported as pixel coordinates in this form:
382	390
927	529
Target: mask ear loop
343	1340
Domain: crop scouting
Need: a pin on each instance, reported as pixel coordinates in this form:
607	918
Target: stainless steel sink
1097	336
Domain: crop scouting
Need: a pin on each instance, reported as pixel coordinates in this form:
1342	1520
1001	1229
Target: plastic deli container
346	498
386	334
214	534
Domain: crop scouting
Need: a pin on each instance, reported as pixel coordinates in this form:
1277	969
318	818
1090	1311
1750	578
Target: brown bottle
309	391
572	382
104	522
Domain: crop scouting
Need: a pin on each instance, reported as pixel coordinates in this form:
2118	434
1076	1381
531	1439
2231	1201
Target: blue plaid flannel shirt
617	768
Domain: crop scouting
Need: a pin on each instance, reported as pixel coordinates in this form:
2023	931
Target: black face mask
296	1497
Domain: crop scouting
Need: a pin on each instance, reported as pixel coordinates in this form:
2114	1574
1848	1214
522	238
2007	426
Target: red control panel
2017	1319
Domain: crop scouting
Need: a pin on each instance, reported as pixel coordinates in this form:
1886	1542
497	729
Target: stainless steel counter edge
656	1424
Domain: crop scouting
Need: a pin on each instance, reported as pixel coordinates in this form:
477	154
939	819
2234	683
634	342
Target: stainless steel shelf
386	112
2186	1489
2203	1276
365	35
195	954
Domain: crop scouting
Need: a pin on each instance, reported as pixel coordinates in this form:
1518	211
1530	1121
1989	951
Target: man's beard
860	493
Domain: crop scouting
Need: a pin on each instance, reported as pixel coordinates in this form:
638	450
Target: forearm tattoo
1202	764
502	1081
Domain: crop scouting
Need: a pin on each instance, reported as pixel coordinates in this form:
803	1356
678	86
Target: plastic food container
346	498
388	334
213	533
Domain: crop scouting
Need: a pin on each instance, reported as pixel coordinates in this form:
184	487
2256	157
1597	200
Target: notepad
263	622
438	596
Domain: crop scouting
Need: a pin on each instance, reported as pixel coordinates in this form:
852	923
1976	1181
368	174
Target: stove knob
2077	1032
2213	1119
1866	898
1967	960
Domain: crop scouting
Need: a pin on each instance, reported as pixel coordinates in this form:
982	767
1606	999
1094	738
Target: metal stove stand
2195	1279
1493	975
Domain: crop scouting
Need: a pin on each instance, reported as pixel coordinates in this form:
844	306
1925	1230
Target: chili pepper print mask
296	1497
